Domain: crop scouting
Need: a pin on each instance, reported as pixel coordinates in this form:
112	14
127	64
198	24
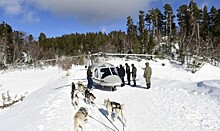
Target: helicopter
105	74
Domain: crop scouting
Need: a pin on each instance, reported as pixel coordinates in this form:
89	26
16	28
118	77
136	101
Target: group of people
130	73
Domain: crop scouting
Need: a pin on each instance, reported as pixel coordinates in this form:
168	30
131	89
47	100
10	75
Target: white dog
80	118
115	107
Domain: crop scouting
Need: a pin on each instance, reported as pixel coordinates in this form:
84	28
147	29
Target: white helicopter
105	74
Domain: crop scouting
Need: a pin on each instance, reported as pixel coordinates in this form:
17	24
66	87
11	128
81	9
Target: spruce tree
150	46
205	24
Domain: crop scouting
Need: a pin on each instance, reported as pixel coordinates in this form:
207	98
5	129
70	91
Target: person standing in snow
147	75
121	73
134	74
89	78
128	72
117	69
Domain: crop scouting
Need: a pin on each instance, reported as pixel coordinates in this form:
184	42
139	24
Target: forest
190	33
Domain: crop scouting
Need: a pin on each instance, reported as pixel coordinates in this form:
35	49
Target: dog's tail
123	113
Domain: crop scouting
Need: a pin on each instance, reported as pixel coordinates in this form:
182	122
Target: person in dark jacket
134	73
128	72
121	74
117	69
89	78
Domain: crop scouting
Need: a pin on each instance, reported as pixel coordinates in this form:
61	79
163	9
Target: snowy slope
177	101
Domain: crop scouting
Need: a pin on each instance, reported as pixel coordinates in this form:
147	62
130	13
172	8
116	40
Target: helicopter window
106	72
96	73
113	71
102	65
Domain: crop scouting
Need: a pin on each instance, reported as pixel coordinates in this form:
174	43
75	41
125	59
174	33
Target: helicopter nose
113	79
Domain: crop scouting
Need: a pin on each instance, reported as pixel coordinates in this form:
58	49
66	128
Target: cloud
85	11
19	8
93	11
11	7
30	18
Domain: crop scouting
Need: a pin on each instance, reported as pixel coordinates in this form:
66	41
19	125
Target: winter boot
134	83
148	85
129	83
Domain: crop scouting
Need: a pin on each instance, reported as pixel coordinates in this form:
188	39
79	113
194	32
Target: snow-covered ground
177	101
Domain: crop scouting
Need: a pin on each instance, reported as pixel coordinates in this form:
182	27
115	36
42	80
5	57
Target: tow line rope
106	117
101	123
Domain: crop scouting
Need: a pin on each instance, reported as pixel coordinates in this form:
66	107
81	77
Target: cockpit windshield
107	71
113	71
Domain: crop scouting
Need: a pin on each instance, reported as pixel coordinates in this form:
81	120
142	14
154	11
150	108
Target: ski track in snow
164	106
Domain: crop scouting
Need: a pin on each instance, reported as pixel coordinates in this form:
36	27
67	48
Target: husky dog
81	87
75	98
80	118
89	97
73	86
115	107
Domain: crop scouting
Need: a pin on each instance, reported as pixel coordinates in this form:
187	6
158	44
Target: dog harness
72	94
115	105
83	110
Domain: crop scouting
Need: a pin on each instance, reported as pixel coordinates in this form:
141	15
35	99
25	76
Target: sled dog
80	118
75	98
73	86
81	87
115	107
89	97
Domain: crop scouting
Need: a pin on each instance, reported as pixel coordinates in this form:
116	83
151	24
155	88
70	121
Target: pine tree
183	19
216	29
213	14
169	26
141	30
6	47
130	27
195	17
205	24
169	19
150	46
148	20
42	39
133	36
157	20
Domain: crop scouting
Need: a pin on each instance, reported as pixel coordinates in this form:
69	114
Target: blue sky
59	17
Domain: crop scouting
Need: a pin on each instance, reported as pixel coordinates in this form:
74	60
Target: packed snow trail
166	106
